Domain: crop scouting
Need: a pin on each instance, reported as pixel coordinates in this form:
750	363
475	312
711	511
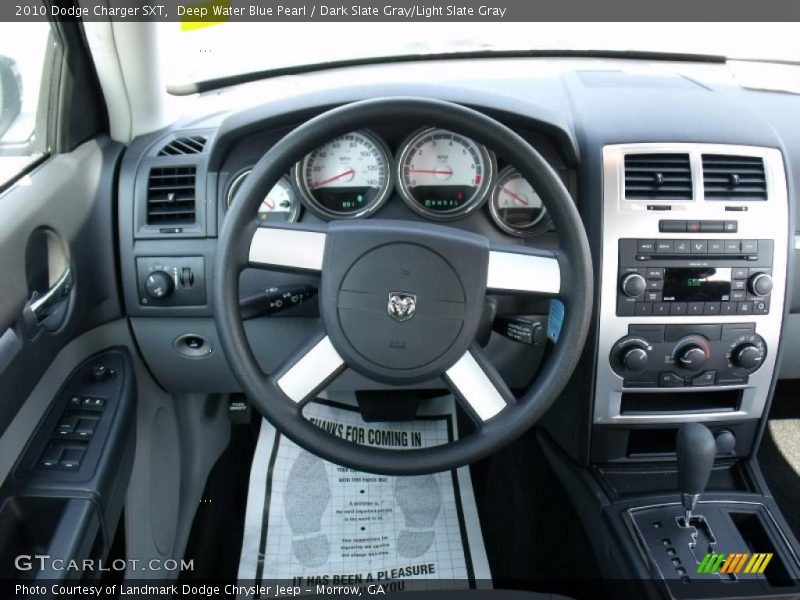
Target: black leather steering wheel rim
573	257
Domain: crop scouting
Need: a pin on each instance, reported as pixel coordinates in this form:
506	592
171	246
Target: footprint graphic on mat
306	497
420	500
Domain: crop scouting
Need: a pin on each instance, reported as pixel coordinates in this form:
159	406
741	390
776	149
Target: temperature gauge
516	207
280	205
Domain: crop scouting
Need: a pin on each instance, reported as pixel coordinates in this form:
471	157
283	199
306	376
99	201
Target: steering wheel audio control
159	285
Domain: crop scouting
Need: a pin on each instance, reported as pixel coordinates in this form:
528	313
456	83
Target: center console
692	292
695	242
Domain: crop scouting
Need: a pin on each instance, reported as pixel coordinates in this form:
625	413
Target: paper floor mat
310	521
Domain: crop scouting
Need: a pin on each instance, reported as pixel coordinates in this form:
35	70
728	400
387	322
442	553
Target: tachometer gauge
281	204
515	206
348	177
443	175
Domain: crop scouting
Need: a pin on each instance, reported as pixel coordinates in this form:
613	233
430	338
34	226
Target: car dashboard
694	290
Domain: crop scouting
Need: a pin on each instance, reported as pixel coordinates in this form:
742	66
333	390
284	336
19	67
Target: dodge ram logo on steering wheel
402	306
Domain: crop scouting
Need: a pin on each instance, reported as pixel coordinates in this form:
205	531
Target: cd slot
727	257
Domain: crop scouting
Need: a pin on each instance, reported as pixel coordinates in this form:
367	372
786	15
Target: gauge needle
432	172
349	171
268	204
519	199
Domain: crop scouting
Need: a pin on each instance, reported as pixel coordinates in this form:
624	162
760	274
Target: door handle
44	305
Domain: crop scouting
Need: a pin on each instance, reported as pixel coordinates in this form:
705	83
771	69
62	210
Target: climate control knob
634	359
760	284
159	285
747	356
692	358
633	285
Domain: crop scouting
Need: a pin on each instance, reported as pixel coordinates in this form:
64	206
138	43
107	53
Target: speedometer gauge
443	175
348	177
515	205
279	205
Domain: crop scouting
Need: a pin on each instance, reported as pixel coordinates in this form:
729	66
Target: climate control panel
697	355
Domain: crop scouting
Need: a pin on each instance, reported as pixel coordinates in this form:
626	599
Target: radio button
716	247
681	246
740	272
761	284
661	308
655	284
653	296
645	246
644	308
633	285
698	247
711	308
750	246
739	284
677	308
738	295
626	307
745	308
732	247
731	226
664	247
695	308
655	273
761	307
669	379
727	308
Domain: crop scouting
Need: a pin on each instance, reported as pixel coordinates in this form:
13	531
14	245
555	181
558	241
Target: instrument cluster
439	174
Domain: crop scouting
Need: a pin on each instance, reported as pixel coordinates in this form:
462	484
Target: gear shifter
696	449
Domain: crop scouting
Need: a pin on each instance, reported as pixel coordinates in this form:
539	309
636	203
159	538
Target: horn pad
402	302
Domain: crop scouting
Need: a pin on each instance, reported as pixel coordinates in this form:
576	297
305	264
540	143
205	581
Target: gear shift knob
696	449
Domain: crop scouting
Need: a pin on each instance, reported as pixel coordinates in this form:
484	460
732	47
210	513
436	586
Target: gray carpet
779	454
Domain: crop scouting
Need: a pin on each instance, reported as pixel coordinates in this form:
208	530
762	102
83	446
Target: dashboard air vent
728	177
171	195
184	145
658	177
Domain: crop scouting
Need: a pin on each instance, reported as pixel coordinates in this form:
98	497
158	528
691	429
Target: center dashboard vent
171	194
658	177
728	177
184	145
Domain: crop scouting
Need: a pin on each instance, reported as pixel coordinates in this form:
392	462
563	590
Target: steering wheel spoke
309	370
290	248
513	270
478	386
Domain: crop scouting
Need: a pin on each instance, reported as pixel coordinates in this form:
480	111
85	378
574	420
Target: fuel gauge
516	207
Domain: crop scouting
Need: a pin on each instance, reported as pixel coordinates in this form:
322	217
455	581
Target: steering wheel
401	301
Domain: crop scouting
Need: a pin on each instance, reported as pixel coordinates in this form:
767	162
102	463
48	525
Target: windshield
197	53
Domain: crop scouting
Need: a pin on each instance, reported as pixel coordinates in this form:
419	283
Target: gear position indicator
317	521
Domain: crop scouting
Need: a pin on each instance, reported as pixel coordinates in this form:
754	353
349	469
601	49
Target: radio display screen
697	284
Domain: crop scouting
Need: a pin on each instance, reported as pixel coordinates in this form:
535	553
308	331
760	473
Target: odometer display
348	177
444	175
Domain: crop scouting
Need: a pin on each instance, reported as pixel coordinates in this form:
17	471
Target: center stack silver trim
630	219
